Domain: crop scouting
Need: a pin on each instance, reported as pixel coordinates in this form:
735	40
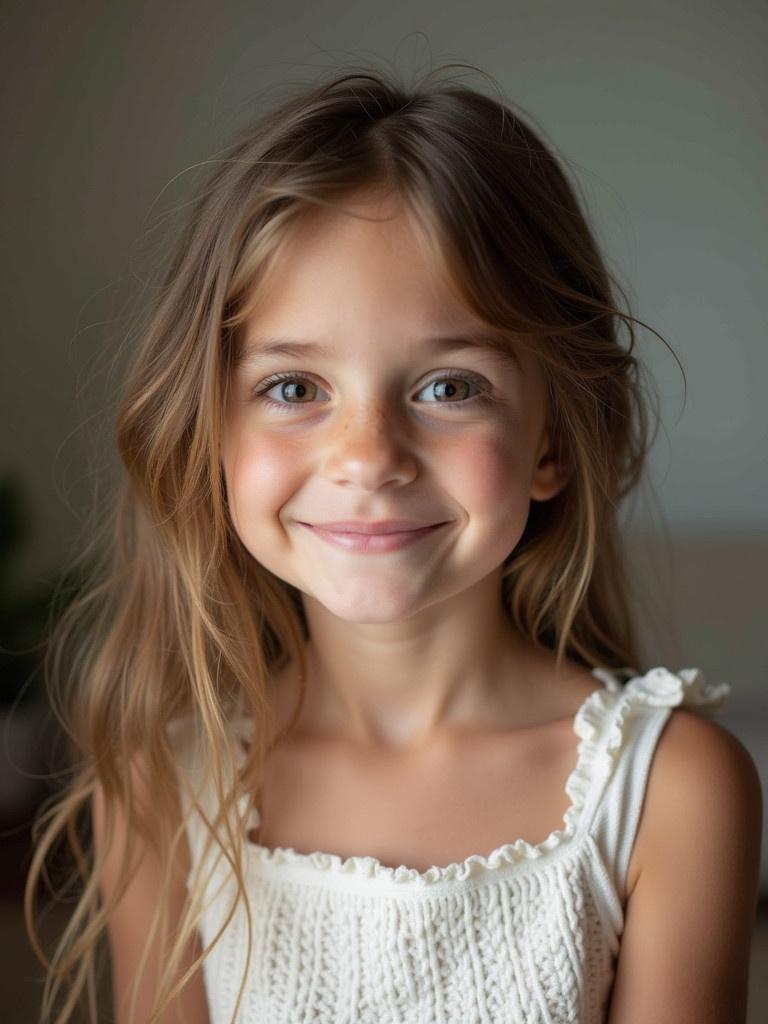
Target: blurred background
109	112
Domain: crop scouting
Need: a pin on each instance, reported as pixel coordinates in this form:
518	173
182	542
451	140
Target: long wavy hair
177	618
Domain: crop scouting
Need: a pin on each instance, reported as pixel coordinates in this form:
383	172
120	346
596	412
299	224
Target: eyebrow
257	349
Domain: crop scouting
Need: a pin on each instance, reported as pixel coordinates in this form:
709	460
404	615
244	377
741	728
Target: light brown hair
177	617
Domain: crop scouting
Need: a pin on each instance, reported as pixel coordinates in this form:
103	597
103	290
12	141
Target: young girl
349	714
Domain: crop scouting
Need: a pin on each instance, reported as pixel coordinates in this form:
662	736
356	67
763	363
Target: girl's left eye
446	388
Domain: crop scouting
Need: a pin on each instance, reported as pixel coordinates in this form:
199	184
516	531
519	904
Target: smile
372	543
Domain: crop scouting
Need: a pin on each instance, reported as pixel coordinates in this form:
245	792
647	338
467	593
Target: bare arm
684	956
129	924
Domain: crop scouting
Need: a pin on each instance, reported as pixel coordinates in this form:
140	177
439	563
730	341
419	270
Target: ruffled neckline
600	736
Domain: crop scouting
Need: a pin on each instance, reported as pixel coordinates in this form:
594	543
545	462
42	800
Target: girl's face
390	405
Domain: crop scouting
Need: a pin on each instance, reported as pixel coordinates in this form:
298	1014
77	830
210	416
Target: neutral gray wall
656	106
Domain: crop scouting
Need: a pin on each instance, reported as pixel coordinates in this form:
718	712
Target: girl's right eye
294	386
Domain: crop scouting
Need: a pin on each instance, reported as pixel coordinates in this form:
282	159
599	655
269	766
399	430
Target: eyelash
278	378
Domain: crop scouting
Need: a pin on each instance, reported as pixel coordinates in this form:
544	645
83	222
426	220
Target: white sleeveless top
528	934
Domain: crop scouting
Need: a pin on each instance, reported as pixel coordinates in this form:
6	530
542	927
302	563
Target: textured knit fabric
528	934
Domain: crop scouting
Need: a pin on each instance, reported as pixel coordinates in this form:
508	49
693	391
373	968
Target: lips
377	538
372	528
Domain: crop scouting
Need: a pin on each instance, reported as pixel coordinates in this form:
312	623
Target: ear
550	475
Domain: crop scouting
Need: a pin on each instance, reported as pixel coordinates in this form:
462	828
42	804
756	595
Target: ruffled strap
661	688
631	730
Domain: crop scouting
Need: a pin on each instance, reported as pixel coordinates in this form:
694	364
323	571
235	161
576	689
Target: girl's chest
434	809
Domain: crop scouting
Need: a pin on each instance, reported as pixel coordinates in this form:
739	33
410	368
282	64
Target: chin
368	609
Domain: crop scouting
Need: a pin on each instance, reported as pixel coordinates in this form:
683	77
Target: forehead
361	255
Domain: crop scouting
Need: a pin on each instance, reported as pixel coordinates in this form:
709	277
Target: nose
368	451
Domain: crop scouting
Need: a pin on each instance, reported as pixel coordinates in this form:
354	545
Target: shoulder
698	849
702	763
119	826
703	783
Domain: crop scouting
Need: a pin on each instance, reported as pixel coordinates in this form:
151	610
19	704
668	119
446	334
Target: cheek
488	473
261	476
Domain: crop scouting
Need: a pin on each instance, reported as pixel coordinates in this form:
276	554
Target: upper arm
684	954
129	923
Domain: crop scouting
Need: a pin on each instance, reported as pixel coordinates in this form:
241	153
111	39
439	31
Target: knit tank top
527	934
